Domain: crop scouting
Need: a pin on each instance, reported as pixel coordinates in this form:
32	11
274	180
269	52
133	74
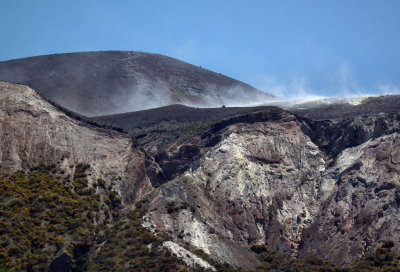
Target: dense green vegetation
128	246
272	261
382	259
44	215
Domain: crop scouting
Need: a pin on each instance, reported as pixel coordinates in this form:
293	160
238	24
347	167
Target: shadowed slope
155	129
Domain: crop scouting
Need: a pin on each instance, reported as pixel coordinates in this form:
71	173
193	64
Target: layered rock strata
33	132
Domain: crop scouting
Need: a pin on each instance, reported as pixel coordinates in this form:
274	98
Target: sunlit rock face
34	132
264	178
363	208
259	184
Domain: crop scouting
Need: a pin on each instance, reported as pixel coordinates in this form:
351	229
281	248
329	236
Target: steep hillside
362	207
246	181
109	82
267	178
235	188
67	192
33	132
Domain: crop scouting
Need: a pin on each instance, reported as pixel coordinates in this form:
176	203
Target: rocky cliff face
256	182
261	177
296	185
34	132
362	207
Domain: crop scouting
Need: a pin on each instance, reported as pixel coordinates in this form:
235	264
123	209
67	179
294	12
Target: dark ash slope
110	82
155	129
159	127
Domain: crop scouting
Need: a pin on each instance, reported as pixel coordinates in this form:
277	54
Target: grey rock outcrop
266	178
258	185
334	136
34	132
362	209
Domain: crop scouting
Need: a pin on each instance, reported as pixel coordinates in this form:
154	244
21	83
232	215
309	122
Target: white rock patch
188	257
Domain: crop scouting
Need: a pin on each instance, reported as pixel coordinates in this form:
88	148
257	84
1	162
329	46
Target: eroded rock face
258	184
363	207
34	132
267	177
260	179
334	136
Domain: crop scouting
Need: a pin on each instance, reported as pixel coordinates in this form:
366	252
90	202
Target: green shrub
39	212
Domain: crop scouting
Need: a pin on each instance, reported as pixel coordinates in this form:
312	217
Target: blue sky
289	48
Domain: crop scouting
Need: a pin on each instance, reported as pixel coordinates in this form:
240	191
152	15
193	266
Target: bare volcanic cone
110	82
